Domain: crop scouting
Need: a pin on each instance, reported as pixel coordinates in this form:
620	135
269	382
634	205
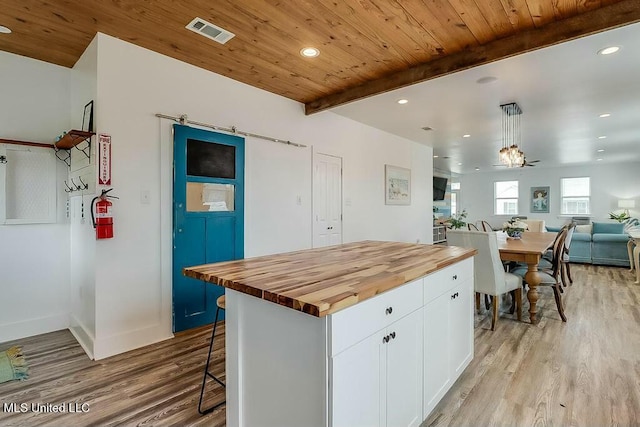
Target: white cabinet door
357	384
461	323
437	335
404	371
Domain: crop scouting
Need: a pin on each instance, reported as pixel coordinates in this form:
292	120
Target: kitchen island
360	334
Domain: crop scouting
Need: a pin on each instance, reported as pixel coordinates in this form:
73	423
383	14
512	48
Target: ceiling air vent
207	29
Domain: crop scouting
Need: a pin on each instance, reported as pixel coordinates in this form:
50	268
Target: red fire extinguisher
103	219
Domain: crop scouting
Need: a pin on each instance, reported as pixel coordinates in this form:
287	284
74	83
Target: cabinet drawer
355	323
435	284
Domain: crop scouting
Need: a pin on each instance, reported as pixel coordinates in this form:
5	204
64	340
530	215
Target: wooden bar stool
220	302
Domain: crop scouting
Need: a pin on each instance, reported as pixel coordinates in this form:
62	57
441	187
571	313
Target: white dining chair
489	275
536	225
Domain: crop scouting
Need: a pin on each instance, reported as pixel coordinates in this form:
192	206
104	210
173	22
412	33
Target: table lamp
626	205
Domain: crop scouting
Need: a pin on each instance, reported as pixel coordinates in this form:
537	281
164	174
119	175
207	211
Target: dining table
529	249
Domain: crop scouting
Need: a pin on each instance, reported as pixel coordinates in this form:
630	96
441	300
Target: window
506	197
455	191
576	196
454	203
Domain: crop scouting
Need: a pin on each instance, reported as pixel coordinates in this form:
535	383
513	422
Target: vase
514	234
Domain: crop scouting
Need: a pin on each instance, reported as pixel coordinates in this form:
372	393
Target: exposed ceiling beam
608	17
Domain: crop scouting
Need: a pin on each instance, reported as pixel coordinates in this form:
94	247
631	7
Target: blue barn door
208	217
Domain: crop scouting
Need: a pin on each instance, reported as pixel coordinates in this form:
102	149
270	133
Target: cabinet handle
389	310
455	277
393	335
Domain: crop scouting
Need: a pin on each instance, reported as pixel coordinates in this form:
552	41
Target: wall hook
3	159
84	186
68	189
76	187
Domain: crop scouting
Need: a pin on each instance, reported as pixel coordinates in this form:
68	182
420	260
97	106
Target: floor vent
207	29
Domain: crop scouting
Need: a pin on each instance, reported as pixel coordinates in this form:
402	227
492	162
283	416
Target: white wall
82	236
133	277
34	259
609	183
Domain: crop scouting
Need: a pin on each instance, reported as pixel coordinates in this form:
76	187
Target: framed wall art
397	185
87	117
540	199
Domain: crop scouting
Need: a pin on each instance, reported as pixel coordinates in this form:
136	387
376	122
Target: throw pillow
586	228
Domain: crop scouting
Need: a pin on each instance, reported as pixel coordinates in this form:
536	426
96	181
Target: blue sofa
604	244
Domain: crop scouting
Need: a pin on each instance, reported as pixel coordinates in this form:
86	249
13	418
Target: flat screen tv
439	187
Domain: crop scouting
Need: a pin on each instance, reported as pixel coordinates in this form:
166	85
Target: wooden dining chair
546	263
566	269
472	227
485	225
551	277
489	275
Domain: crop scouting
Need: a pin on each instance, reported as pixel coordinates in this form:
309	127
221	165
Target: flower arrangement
514	228
457	221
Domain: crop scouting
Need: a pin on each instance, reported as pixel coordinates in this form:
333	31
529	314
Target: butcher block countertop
325	280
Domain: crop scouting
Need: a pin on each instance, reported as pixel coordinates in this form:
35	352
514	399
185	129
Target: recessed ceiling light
599	160
435	157
485	80
601	151
605	115
309	52
602	137
466	135
609	50
5	30
402	101
477	169
459	164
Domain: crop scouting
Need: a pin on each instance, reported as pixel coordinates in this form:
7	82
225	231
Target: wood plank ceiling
367	46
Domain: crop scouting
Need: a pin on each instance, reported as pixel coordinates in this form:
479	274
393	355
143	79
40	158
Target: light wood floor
585	372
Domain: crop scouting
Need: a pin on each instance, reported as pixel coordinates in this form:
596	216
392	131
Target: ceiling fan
525	163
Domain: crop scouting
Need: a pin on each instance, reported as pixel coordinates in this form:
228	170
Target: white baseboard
31	327
84	337
120	343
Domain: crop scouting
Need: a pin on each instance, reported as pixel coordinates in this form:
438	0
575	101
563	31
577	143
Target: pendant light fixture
511	154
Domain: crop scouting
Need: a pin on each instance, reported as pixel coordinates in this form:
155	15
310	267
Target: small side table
633	249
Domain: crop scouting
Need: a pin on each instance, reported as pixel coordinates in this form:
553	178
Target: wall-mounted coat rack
75	187
70	140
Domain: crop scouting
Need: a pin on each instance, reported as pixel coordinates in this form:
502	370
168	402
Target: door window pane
210	159
203	197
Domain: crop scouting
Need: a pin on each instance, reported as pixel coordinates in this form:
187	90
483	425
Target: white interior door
327	200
